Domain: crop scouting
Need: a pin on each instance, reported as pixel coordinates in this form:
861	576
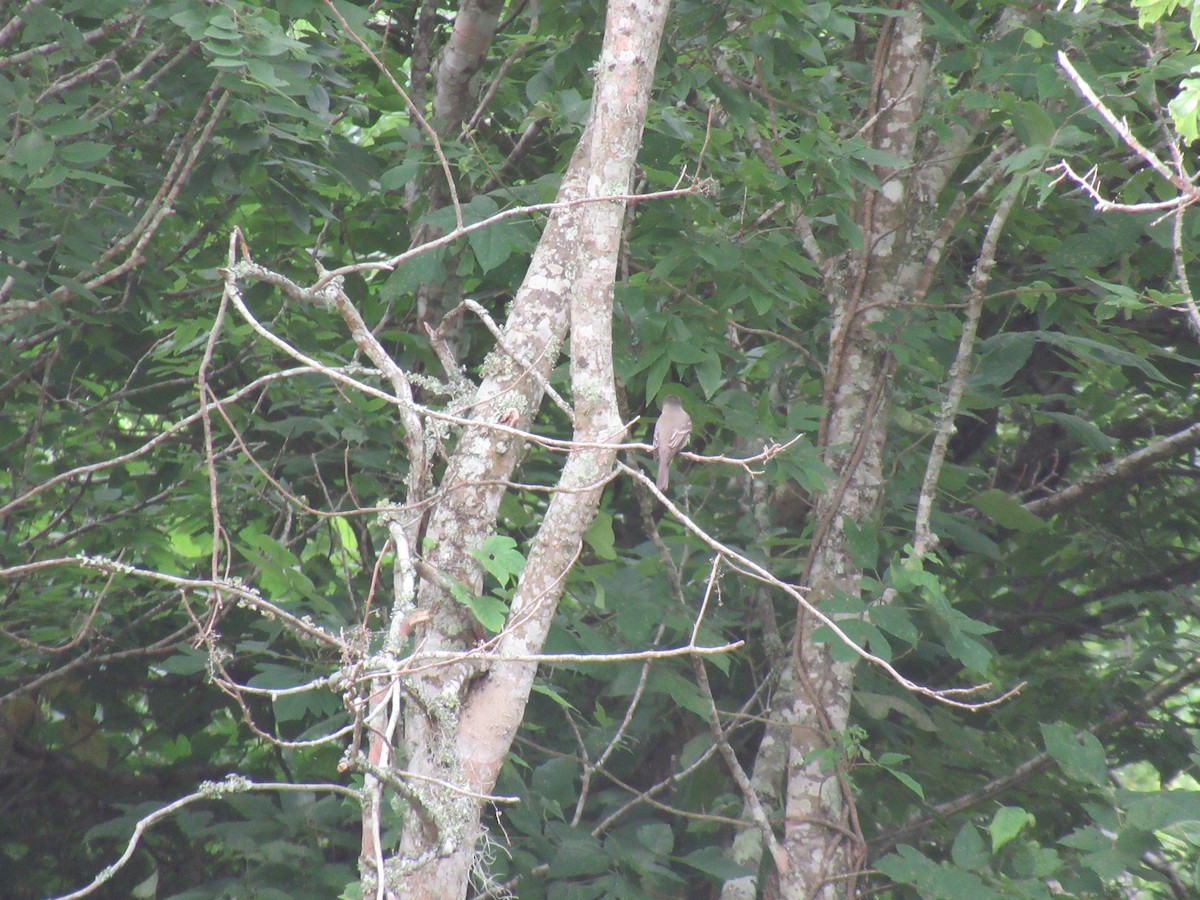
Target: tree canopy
332	335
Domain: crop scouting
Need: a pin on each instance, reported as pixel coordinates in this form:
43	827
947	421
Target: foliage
138	136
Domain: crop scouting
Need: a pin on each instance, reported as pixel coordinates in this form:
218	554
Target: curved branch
1116	472
208	791
747	566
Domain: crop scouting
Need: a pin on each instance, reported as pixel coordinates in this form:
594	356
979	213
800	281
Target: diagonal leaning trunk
460	718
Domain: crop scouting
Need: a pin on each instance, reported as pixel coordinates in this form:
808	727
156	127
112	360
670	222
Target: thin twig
208	791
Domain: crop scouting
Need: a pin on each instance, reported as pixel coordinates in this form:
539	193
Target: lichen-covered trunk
460	718
870	291
821	837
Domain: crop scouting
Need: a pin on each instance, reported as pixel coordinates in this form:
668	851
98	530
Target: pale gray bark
904	235
454	96
459	725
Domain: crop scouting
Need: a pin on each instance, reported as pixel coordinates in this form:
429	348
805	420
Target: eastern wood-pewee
670	434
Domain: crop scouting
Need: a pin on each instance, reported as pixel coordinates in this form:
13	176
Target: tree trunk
461	717
903	238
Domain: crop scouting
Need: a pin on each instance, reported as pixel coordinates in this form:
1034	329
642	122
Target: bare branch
1116	472
747	566
208	791
924	540
247	595
450	236
1120	126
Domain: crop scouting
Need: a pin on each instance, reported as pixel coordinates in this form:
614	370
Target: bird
670	434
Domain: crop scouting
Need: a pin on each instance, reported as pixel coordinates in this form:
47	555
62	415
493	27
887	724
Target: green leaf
1000	358
966	535
185	661
1033	125
600	536
52	177
1090	350
906	866
398	176
491	245
908	781
1080	756
970	652
656	837
488	611
1007	823
1158	810
713	861
1118	298
32	150
880	706
931	881
84	152
345	535
282	577
968	850
1006	510
656	375
895	620
1082	430
1151	11
875	156
863	544
500	557
555	780
577	854
709	374
862	633
682	692
147	889
1087	838
424	268
540	687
